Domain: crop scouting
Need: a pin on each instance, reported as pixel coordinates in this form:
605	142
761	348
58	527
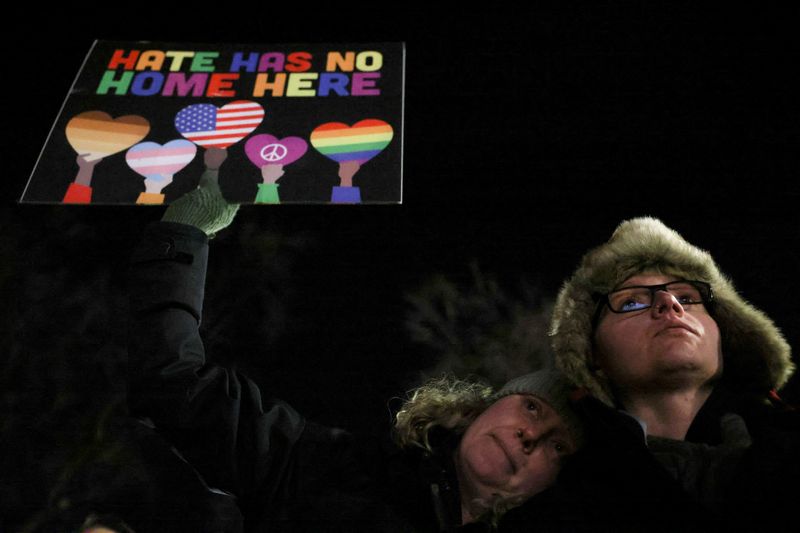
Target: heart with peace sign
266	149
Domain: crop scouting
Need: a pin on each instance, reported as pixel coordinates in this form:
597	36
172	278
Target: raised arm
215	417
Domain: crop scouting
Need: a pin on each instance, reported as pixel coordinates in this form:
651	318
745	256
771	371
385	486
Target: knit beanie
756	357
551	387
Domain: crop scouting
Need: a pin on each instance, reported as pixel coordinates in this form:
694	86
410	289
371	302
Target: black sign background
308	180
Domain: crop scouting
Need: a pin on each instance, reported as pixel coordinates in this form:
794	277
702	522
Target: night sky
529	135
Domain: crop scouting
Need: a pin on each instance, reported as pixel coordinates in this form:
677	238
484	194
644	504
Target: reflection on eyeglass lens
641	297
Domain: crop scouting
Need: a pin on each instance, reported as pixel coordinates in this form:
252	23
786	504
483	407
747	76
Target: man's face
513	449
664	347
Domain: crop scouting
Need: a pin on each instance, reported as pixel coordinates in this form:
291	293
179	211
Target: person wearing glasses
684	428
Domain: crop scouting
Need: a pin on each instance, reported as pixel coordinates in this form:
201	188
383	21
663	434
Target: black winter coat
283	473
719	483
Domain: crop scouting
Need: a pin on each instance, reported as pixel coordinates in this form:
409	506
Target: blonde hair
446	402
452	404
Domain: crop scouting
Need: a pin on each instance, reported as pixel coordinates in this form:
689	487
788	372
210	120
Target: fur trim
756	356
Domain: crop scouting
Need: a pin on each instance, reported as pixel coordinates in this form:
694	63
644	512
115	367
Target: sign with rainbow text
280	123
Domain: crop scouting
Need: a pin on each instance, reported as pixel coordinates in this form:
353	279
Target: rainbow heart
266	149
209	126
157	162
360	142
95	135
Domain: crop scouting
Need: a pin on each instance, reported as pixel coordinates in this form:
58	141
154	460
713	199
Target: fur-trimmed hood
756	356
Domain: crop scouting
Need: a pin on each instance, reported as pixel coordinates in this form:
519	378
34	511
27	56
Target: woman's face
513	449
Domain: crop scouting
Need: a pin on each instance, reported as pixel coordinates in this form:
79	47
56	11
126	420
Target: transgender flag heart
154	161
209	126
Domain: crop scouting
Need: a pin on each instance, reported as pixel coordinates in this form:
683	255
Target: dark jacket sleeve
764	492
214	416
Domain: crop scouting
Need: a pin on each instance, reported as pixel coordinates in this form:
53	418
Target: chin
686	373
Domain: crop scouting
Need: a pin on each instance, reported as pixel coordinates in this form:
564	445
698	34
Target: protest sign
299	123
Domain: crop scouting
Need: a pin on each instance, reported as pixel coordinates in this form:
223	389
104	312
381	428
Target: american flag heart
209	126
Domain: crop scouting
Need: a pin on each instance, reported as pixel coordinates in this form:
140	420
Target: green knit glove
204	208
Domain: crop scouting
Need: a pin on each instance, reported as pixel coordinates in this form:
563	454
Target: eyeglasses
639	297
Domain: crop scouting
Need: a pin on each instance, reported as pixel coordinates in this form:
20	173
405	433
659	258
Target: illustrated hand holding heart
95	135
271	154
158	164
351	147
217	128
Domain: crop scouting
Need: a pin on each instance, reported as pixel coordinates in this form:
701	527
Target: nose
528	437
665	302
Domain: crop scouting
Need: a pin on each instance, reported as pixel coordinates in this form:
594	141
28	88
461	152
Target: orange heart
96	135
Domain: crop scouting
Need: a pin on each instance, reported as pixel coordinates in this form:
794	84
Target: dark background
529	135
